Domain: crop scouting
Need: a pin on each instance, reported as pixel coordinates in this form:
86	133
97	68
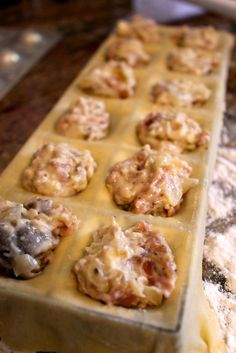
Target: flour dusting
220	242
220	250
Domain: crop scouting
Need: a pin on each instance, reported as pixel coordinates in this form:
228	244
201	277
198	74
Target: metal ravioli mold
19	51
47	313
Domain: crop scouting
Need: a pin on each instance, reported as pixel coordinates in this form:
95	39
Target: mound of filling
87	119
129	50
30	232
193	61
142	28
58	170
150	182
183	93
204	38
171	131
133	267
112	79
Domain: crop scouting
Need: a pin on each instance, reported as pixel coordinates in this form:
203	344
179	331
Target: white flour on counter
220	244
221	201
220	250
219	206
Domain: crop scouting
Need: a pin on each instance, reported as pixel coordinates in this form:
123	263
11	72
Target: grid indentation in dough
94	205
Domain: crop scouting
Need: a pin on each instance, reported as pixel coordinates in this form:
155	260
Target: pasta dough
57	317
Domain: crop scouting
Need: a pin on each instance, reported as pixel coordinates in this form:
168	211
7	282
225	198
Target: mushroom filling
30	232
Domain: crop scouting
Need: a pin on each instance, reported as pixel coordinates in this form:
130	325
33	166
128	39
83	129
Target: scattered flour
225	171
225	139
221	194
220	242
219	205
220	250
228	153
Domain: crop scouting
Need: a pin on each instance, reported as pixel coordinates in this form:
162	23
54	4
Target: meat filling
150	183
87	119
183	93
193	61
58	169
129	50
204	38
171	131
133	267
112	79
30	232
142	28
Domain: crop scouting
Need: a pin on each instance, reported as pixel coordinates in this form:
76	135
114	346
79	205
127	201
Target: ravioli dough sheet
47	313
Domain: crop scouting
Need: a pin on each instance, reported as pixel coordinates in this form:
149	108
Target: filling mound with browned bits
58	170
87	119
133	267
150	183
193	61
112	79
140	27
129	50
171	131
183	93
30	232
204	38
